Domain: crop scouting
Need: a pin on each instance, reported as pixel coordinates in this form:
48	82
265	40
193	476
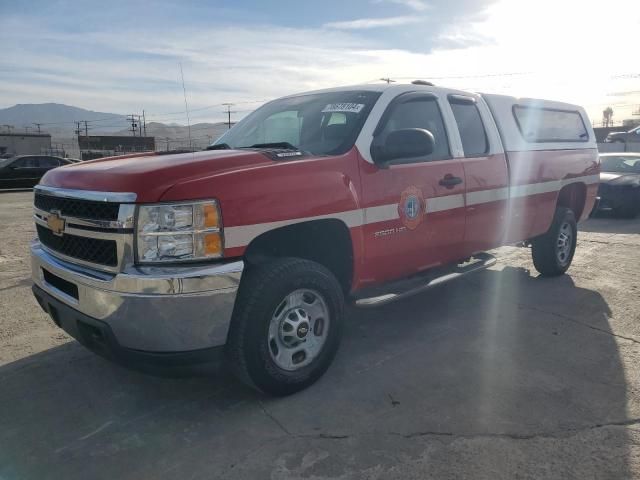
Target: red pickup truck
248	250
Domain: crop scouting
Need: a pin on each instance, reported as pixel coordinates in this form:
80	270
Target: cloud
417	5
123	70
366	23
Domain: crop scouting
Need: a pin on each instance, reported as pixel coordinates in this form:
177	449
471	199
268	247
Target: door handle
449	181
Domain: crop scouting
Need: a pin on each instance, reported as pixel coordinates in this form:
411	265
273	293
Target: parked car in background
619	189
632	135
25	171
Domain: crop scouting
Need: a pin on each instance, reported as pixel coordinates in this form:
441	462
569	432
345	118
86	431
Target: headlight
179	232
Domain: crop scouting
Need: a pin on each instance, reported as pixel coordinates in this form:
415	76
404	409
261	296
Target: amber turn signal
211	217
212	244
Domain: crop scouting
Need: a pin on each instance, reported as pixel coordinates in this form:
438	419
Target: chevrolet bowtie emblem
56	223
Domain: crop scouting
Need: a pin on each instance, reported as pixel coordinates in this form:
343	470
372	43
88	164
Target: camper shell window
540	125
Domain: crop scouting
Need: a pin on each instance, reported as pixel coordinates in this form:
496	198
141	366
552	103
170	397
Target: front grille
73	207
94	250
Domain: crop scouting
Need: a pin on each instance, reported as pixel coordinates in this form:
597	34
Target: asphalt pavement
500	375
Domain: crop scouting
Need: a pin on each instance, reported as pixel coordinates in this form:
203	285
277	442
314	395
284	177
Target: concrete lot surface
501	375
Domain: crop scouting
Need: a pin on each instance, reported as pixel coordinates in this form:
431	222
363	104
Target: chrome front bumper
152	309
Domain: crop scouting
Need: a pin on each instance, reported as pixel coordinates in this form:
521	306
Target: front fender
256	200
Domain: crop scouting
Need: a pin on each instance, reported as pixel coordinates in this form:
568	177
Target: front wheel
286	325
553	252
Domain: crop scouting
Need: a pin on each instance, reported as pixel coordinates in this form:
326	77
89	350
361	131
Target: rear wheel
286	325
553	252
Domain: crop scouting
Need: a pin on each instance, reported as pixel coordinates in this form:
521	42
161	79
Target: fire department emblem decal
411	207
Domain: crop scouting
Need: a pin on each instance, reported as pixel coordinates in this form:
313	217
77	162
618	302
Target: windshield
321	123
621	164
5	161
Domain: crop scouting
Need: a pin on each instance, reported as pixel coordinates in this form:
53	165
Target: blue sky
123	56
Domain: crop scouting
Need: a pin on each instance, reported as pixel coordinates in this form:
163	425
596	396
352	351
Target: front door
25	172
414	208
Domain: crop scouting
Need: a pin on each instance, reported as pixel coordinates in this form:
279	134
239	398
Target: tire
275	302
553	252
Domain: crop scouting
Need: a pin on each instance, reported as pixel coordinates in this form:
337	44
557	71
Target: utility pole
38	127
86	133
134	125
167	140
144	123
229	112
388	80
9	128
77	131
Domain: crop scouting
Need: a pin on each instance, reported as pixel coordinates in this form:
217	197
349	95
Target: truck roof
514	136
403	87
383	87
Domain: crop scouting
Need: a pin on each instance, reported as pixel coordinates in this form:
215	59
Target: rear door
486	174
414	208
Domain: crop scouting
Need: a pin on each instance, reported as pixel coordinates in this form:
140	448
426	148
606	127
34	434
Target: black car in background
632	135
619	188
25	171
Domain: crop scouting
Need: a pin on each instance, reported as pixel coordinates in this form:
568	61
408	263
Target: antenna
186	106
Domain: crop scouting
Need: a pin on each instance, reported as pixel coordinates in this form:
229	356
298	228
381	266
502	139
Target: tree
607	115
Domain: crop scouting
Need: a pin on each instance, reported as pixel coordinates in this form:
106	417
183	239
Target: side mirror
406	143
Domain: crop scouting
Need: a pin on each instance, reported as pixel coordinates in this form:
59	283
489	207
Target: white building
24	143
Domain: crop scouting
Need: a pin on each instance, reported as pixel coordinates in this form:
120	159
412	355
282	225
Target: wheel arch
573	197
327	242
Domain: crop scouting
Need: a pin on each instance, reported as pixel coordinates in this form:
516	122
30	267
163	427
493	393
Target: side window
417	112
48	162
470	126
539	124
337	118
26	162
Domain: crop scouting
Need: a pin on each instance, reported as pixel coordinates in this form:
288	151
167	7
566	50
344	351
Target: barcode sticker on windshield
343	107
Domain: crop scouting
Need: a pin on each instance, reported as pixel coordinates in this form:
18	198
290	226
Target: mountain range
60	121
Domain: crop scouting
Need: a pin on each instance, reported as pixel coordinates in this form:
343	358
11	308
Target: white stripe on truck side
241	236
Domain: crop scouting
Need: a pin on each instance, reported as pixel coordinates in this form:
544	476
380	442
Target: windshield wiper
280	145
219	146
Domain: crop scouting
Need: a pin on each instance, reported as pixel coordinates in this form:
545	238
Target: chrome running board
390	292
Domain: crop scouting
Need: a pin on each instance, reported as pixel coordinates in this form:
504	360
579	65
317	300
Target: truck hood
152	175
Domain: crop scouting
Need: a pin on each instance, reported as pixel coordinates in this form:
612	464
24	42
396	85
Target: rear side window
470	126
48	162
418	112
550	125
